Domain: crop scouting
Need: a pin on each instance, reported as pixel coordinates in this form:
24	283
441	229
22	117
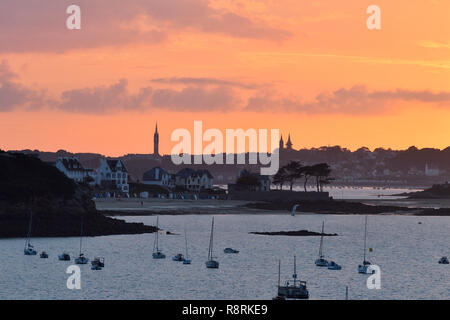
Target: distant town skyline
308	68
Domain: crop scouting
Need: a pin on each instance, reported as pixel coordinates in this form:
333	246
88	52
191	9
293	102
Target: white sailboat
157	254
321	262
29	249
81	258
296	290
211	263
364	267
186	259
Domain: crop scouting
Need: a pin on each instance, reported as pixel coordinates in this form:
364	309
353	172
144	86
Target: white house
113	171
73	169
194	180
157	176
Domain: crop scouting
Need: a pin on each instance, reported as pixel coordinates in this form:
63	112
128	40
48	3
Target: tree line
294	171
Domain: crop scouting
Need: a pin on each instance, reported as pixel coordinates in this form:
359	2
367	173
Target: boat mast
155	244
365	238
321	242
27	241
81	233
185	241
295	271
279	272
210	251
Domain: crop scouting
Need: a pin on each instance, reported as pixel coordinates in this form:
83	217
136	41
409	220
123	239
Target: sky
311	69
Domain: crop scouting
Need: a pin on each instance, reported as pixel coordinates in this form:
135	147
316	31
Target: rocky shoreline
299	233
348	207
30	187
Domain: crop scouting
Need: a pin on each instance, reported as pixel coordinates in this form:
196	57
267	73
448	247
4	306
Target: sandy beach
174	207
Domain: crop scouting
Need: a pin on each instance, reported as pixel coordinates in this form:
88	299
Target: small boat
296	290
157	254
44	255
64	257
186	260
294	208
321	262
364	267
98	263
29	249
230	250
443	260
81	258
211	263
178	257
333	266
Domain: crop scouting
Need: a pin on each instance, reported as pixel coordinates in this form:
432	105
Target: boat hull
187	261
29	252
158	255
364	269
321	263
178	258
293	293
81	260
212	264
64	257
334	266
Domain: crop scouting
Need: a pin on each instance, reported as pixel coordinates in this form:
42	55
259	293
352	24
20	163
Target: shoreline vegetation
29	186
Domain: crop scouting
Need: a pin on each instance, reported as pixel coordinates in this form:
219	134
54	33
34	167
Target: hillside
58	205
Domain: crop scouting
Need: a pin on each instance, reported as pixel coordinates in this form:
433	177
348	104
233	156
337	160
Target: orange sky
311	68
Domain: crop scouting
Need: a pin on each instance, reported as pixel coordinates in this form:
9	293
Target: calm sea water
407	253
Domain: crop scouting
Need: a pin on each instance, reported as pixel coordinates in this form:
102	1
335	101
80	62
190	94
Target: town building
159	177
73	169
113	173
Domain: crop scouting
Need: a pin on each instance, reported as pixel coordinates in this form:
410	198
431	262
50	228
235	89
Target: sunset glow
309	68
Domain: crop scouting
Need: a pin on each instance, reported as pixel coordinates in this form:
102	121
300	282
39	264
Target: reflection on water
406	251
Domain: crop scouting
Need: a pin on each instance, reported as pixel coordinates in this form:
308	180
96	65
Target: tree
321	172
307	172
280	178
294	171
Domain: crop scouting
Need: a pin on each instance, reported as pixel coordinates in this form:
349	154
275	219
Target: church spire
289	143
156	141
281	143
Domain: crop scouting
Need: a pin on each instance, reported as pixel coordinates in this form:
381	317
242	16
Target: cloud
205	95
39	25
205	81
14	94
109	99
434	45
356	100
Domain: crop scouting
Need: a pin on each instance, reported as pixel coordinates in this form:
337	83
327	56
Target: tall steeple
281	143
156	141
289	143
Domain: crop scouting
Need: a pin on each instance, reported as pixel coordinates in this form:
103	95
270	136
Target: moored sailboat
29	249
211	263
364	267
186	260
81	258
321	262
296	290
157	253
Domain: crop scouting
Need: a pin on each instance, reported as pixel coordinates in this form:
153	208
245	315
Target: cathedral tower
156	141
